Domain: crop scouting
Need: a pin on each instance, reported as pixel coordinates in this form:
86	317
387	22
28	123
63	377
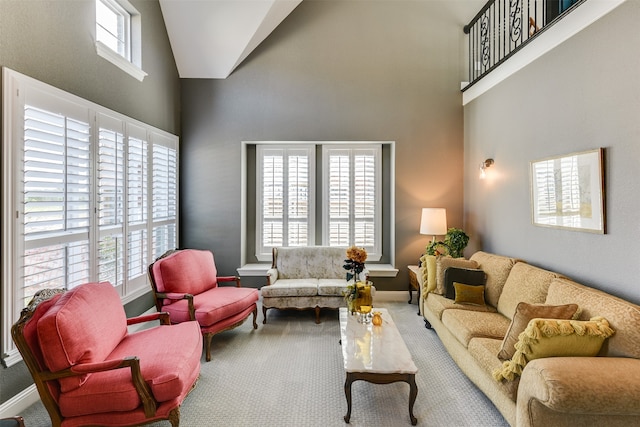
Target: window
349	193
78	184
118	35
352	213
285	197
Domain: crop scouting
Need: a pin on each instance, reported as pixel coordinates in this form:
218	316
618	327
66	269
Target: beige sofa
305	278
552	391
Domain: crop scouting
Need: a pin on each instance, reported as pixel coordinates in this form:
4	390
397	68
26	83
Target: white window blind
164	207
137	201
352	184
56	184
285	197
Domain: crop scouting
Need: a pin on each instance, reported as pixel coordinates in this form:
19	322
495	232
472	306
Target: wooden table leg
347	392
413	393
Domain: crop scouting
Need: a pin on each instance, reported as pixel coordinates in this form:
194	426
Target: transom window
113	27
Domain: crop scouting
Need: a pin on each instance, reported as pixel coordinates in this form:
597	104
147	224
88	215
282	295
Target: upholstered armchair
88	368
185	285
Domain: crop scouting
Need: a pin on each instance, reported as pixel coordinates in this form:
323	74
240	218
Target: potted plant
456	240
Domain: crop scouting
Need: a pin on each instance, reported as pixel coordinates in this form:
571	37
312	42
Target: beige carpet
289	373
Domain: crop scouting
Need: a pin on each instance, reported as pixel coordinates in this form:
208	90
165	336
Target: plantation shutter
137	203
353	186
56	197
164	195
285	197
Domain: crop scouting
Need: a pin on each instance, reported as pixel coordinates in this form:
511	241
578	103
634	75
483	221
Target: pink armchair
185	285
89	370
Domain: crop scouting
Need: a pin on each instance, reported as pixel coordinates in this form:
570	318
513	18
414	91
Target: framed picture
568	191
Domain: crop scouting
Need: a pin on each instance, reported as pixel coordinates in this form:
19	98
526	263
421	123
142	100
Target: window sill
260	270
120	62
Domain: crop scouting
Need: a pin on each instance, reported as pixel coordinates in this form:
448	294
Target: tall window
352	190
79	182
285	197
349	189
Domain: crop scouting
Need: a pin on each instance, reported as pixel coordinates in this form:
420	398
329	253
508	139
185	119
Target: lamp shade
434	221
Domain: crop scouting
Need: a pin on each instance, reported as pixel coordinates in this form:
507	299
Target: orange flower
357	254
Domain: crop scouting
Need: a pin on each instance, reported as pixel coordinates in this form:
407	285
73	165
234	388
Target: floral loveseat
600	389
305	278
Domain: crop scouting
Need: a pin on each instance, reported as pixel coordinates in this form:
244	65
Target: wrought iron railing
502	27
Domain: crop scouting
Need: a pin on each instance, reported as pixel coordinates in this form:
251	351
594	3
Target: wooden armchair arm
162	316
176	296
131	362
230	279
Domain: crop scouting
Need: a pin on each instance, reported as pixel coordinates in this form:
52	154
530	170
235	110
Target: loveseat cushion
623	316
214	305
525	283
84	325
291	288
332	287
484	351
188	271
465	324
497	268
169	363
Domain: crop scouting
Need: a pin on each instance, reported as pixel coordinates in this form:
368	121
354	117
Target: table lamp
433	222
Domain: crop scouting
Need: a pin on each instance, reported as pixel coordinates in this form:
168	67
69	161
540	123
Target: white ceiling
210	38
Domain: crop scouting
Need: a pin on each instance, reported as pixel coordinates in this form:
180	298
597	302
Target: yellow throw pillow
523	315
469	294
555	338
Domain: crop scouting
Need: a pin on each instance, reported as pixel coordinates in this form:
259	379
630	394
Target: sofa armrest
579	385
272	276
178	296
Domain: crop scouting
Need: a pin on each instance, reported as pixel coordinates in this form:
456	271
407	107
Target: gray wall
582	95
53	41
333	70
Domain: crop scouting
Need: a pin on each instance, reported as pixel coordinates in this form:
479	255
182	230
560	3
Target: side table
414	283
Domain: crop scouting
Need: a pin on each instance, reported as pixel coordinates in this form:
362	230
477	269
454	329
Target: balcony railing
502	27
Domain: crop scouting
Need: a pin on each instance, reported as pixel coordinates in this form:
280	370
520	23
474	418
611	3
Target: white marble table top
374	349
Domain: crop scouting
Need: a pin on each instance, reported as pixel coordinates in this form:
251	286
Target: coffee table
376	354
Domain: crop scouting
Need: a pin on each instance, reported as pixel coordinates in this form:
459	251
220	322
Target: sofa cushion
525	283
331	287
469	294
497	268
84	325
465	324
484	352
443	263
437	304
169	370
320	262
623	316
188	271
214	305
524	313
555	338
291	288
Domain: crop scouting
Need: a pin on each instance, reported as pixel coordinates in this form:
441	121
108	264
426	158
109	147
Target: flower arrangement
354	264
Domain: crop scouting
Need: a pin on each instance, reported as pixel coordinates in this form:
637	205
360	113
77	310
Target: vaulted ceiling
210	38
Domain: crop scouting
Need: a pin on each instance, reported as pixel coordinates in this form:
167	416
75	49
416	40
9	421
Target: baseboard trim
18	403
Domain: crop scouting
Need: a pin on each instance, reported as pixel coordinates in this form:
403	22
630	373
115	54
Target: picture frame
567	191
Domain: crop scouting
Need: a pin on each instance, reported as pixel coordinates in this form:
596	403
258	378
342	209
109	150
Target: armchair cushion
69	342
191	271
214	305
168	372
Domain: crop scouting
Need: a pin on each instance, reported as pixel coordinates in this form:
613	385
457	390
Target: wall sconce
483	166
433	222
